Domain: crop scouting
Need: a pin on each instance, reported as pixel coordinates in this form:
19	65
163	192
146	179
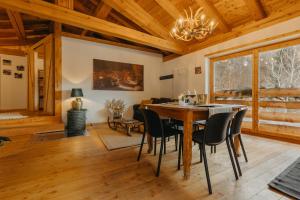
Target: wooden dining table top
201	107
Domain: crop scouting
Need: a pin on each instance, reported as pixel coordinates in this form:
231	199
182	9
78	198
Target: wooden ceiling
147	22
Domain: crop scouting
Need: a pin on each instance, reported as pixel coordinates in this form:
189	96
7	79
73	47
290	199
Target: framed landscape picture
110	75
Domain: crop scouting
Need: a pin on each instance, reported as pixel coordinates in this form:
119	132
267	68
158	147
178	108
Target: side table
76	123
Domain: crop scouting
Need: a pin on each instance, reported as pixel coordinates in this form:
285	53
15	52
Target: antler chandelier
196	26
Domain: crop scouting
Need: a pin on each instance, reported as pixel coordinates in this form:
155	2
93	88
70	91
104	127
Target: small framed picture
6	72
20	68
198	70
18	75
6	62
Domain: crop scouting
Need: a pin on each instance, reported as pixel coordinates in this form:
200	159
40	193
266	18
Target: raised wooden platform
82	168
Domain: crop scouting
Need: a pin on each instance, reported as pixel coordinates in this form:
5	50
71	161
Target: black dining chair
235	131
157	129
214	133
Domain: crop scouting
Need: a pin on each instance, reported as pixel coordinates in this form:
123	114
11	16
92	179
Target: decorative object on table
6	72
115	109
76	123
18	75
6	62
20	68
198	70
193	26
109	75
77	103
188	98
202	99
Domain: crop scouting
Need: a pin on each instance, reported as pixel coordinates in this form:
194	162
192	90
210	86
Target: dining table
188	114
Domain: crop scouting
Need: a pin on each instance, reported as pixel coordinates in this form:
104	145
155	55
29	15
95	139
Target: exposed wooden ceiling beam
256	9
65	3
169	8
15	52
17	42
211	11
138	15
122	21
53	12
119	44
17	23
274	18
102	10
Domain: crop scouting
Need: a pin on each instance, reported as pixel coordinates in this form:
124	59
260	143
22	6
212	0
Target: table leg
237	145
187	144
150	143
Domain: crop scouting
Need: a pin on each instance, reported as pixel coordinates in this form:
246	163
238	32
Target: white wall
190	61
13	91
77	69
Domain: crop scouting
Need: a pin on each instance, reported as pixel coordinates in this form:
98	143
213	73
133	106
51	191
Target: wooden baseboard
275	136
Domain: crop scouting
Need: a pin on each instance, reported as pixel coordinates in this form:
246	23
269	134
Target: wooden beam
274	18
65	3
53	12
91	39
58	69
168	6
138	15
9	51
17	23
16	42
100	12
256	9
211	11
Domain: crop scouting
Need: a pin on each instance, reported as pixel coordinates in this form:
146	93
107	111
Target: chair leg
155	141
165	145
176	142
235	156
179	152
206	169
243	148
141	147
159	158
201	154
168	139
211	149
215	149
231	159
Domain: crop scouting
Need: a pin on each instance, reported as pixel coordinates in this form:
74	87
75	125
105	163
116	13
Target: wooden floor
82	168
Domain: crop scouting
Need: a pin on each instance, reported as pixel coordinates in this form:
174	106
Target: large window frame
255	128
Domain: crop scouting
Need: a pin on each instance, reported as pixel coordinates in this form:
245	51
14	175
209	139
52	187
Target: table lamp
77	103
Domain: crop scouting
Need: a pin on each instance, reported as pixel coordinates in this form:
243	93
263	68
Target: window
279	82
267	80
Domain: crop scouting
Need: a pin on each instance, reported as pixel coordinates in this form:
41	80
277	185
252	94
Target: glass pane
233	82
280	88
233	78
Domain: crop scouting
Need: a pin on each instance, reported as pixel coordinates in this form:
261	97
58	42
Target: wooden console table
187	114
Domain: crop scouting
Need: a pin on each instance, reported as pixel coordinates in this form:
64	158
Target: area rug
118	139
11	116
288	182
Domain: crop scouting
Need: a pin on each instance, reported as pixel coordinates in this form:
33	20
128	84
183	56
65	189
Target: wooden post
49	78
58	68
255	92
31	81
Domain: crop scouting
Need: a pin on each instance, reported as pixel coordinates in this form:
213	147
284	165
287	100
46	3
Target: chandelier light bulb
195	25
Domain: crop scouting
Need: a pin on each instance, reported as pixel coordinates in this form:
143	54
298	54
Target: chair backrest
216	128
153	123
236	124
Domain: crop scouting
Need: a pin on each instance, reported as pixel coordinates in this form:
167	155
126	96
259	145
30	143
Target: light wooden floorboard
82	168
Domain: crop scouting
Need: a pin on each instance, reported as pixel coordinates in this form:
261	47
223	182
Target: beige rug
118	139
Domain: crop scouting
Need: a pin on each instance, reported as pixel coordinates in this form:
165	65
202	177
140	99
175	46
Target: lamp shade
76	92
